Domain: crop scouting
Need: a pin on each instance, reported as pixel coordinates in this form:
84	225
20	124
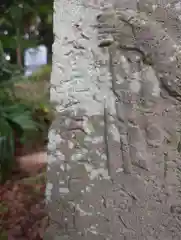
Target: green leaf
16	13
19	116
45	8
8	42
28	43
6	148
5	21
25	122
5	128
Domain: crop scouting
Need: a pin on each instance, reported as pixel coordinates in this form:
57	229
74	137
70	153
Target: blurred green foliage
16	19
24	102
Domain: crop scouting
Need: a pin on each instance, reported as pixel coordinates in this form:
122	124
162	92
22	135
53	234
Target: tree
114	168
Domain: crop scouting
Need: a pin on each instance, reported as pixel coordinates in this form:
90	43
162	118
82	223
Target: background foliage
25	111
18	18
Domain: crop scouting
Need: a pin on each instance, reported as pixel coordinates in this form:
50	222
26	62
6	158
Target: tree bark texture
113	163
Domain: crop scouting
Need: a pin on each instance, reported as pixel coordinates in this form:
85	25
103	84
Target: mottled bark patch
114	168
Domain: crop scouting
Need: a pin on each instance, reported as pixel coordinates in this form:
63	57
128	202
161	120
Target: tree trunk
113	163
18	48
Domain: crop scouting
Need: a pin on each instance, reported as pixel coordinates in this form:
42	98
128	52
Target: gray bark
113	163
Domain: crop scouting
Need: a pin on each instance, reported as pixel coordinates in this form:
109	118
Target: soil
22	204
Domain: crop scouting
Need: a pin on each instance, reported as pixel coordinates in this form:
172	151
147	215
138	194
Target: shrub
15	120
25	112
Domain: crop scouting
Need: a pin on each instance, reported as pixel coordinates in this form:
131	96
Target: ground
23	213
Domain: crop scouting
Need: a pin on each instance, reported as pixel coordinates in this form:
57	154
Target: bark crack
127	165
106	138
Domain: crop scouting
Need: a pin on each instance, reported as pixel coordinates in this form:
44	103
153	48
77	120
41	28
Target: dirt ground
23	213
